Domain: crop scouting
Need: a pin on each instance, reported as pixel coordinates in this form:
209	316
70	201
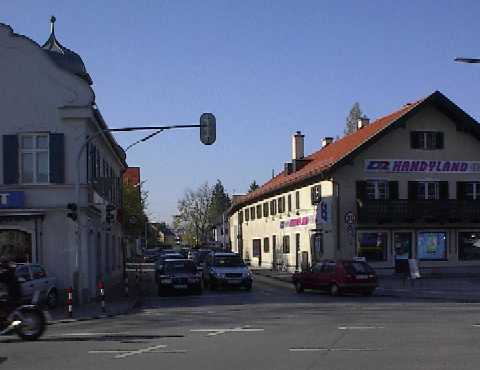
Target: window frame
426	190
459	245
286	246
259	211
34	151
426	231
266	209
475	192
385	250
376	189
297	200
427	140
316	194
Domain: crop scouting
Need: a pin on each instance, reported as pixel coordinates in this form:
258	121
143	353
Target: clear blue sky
265	68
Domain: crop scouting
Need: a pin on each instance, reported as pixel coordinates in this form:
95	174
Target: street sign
208	128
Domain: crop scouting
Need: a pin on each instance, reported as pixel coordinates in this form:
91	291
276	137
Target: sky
264	68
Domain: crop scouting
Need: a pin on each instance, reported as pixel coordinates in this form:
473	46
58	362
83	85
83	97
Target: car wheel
334	290
52	299
248	287
299	287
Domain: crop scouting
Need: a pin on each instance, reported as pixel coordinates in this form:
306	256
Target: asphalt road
271	327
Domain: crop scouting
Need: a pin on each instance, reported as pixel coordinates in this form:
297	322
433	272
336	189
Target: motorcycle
27	321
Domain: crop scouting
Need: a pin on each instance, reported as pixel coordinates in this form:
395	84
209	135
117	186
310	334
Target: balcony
425	211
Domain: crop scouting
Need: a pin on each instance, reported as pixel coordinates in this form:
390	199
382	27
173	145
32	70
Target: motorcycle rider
10	290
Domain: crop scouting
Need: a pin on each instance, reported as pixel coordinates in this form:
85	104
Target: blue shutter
10	159
57	158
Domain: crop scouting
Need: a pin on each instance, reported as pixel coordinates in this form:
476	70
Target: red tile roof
325	158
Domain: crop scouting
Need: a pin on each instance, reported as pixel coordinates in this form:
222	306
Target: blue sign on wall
12	199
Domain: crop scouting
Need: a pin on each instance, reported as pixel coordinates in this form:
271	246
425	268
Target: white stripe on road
213	332
109	351
140	351
360	327
333	349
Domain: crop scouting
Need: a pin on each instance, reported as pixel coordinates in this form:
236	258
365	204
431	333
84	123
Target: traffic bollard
70	302
101	286
126	285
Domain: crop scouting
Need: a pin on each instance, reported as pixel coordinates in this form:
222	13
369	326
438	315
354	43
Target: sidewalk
115	304
448	287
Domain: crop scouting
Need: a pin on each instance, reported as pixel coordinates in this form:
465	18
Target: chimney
288	168
297	146
327	141
362	122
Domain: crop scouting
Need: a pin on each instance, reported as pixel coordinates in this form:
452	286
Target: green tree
134	209
219	204
253	186
352	119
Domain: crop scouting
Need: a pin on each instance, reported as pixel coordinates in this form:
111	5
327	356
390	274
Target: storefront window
16	245
402	244
469	246
432	246
372	246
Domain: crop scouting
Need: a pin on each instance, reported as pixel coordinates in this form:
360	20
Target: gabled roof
336	154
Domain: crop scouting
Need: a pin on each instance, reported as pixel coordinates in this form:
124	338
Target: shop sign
294	222
323	212
421	166
12	199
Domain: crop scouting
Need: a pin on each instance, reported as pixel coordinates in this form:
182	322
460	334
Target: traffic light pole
207	136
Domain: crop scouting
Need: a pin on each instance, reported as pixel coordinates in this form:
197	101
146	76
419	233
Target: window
316	194
274	243
38	272
281	205
469	246
402	245
432	246
247	214
286	244
376	189
427	190
472	191
240	217
273	207
426	140
259	211
289	201
297	200
256	248
34	158
22	271
252	213
265	209
266	245
329	266
372	245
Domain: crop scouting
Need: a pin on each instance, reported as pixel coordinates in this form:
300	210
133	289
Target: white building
48	111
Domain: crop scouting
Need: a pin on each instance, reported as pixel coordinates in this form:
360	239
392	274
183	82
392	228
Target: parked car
161	261
178	274
337	277
198	256
33	278
226	269
150	255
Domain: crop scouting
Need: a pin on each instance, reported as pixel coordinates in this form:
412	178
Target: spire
52	25
52	44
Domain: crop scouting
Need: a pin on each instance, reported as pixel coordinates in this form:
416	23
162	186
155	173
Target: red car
337	277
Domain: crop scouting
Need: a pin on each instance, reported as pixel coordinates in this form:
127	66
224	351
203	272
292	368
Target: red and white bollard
70	301
101	286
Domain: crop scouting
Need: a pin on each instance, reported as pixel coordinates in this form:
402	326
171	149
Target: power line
145	139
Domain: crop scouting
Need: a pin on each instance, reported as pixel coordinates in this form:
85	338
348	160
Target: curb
135	303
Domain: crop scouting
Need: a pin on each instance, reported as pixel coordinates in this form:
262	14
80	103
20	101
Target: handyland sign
423	166
12	199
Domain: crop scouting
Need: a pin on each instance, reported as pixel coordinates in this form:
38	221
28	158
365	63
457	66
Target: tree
219	204
134	209
193	216
352	119
253	186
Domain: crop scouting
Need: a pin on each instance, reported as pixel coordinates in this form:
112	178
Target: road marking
140	351
333	349
213	332
360	327
110	351
476	325
87	334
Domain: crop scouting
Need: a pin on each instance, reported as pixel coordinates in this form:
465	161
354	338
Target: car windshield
354	267
180	266
228	261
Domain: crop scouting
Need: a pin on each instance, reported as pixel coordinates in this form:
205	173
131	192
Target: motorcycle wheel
32	326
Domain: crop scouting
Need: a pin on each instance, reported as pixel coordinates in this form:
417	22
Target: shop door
257	250
16	245
402	249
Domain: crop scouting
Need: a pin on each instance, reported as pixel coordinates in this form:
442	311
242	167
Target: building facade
60	178
404	186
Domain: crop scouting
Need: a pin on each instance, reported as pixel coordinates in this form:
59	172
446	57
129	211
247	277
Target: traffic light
208	128
109	214
72	211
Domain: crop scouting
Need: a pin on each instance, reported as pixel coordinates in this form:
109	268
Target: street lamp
467	60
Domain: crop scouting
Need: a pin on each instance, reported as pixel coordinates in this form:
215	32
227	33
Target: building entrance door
16	245
402	250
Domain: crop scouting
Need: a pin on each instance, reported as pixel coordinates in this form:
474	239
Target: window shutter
361	188
414	140
10	159
393	190
57	159
412	190
439	140
443	190
460	190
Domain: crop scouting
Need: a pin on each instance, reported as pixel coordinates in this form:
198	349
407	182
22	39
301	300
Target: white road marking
360	327
333	349
476	325
140	351
108	351
213	332
87	334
